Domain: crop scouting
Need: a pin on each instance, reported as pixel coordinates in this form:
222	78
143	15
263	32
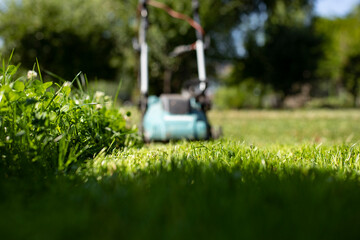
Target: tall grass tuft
48	128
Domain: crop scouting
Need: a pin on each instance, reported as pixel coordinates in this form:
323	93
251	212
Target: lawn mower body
173	116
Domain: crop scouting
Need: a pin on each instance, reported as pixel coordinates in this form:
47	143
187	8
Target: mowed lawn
267	127
273	175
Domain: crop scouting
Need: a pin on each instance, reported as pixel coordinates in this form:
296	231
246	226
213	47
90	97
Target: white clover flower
31	74
67	84
98	95
108	104
98	106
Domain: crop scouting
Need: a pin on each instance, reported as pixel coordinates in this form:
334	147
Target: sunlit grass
264	127
285	127
273	174
217	190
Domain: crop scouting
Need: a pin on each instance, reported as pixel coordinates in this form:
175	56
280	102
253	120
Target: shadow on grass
183	204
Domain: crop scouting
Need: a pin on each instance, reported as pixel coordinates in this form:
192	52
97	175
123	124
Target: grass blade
52	99
38	67
117	92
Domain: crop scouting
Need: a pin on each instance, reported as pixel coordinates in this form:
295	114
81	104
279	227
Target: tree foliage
351	76
68	37
290	52
341	48
95	36
218	18
288	57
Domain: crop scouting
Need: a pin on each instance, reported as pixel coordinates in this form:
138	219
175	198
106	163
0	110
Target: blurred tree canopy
218	18
68	36
341	49
289	53
287	48
95	36
351	76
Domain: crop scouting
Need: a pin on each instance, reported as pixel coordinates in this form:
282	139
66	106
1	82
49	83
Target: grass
223	189
286	127
273	175
266	127
46	129
217	190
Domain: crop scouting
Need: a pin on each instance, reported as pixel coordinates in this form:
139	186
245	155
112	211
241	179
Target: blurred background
262	53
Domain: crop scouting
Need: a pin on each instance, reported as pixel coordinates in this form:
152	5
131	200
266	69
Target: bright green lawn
274	175
289	127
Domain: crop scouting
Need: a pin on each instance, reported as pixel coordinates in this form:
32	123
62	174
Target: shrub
247	94
343	100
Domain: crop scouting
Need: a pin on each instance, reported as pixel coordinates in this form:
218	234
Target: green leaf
37	82
30	101
52	116
65	108
12	69
20	133
19	86
46	85
13	96
6	89
66	90
1	96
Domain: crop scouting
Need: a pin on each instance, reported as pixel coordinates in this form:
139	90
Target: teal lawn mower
175	116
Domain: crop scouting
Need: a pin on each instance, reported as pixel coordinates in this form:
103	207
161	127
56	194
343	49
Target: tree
67	37
351	77
288	58
290	52
95	37
166	33
341	48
